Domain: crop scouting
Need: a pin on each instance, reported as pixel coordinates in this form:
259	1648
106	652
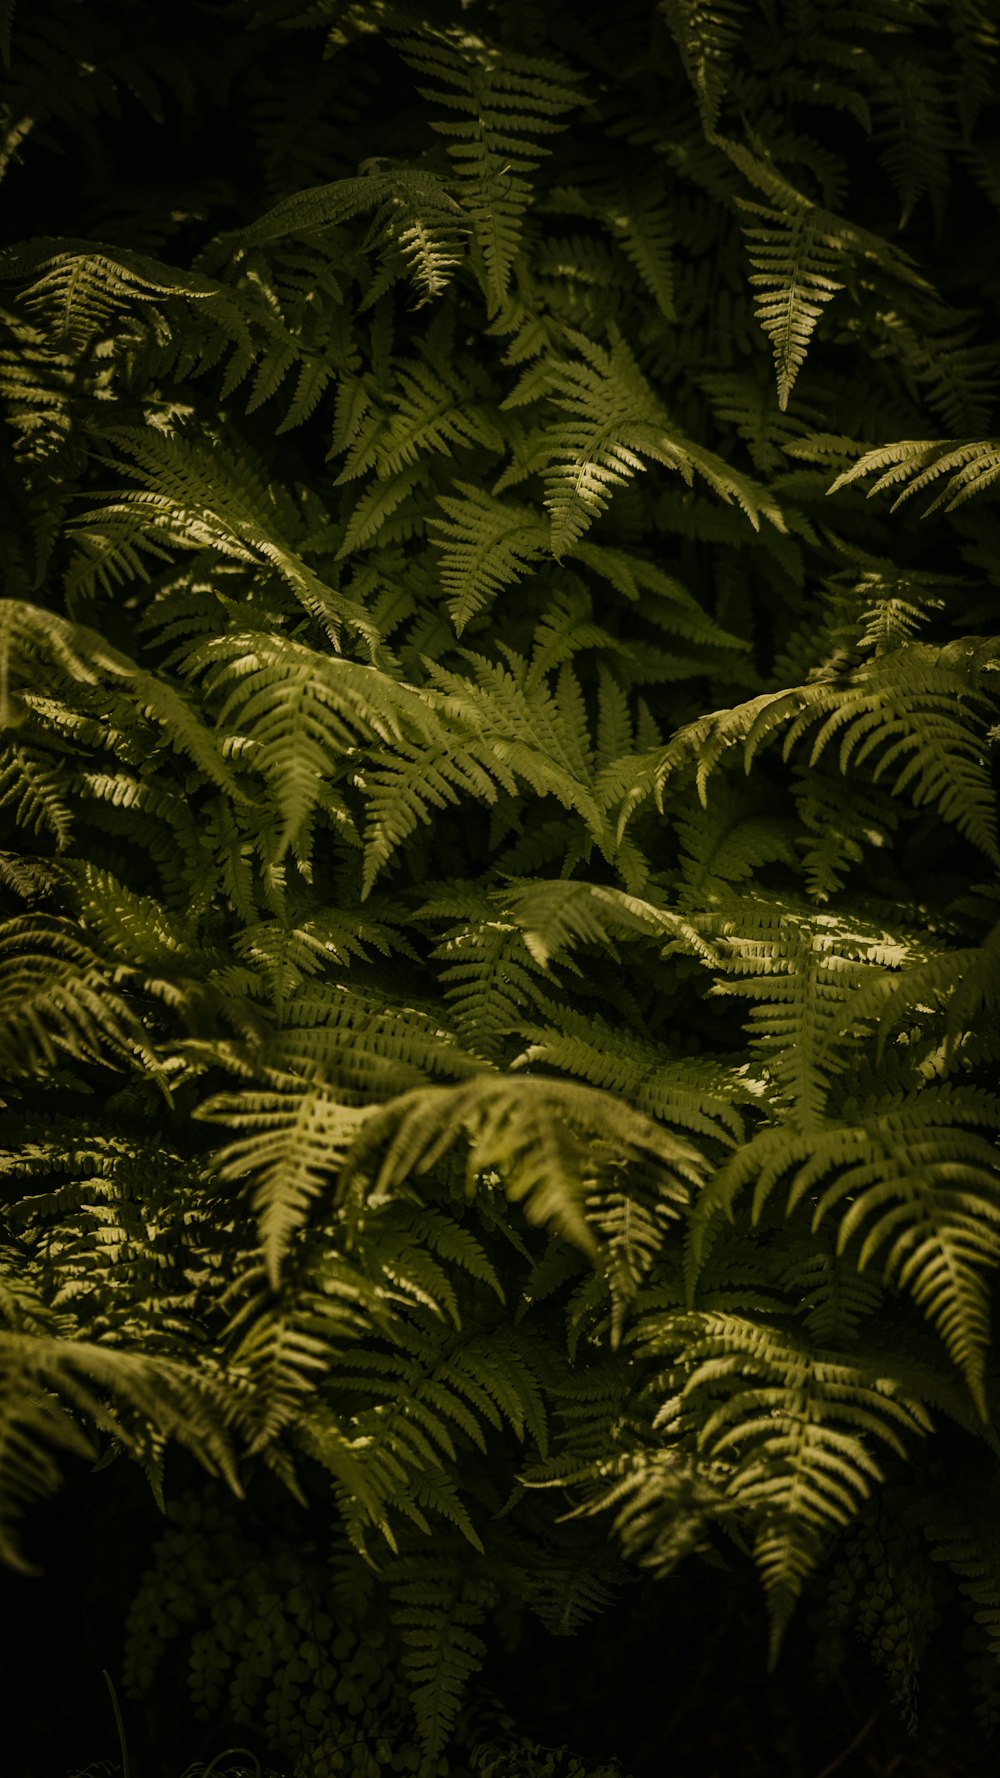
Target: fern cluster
499	861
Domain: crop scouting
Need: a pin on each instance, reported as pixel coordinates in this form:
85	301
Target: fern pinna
500	889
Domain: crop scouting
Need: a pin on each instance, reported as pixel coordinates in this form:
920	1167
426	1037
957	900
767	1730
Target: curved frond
545	1139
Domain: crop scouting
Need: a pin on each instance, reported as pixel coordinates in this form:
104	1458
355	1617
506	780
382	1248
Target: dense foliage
500	878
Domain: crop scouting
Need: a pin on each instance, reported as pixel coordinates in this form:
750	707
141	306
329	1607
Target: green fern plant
498	852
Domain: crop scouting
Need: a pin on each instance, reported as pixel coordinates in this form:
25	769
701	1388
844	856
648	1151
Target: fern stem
118	1721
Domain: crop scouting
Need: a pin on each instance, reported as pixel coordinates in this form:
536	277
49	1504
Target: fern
531	1132
792	265
39	1369
972	465
616	421
707	36
873	710
942	1244
439	1610
498	851
486	546
298	1139
795	1446
505	102
916	135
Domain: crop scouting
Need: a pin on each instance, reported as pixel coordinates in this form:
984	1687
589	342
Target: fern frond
404	1228
278	1352
30	879
797	968
836	1300
58	996
197	499
81	291
415	215
665	1504
924	1185
905	706
883	1587
978	44
32	638
134	929
684	1092
572	1586
287	955
859	245
488	734
440	1606
370	1043
488	976
31	784
971	465
911	1181
302	714
486	546
793	262
616	422
794	1427
729	842
961	979
34	1426
428	410
915	133
297	1141
707	33
555	916
664	600
968	1544
505	102
545	1138
48	1384
420	1392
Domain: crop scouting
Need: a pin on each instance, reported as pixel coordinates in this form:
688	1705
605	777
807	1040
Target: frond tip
792	263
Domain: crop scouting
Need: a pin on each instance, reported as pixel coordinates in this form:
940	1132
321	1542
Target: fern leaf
297	1139
616	422
922	1187
302	713
792	264
680	1091
971	465
81	290
197	499
440	1607
32	786
794	1427
486	546
33	1427
902	710
707	33
47	1384
912	1182
967	1543
797	969
287	955
58	996
30	637
505	102
915	133
538	1135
